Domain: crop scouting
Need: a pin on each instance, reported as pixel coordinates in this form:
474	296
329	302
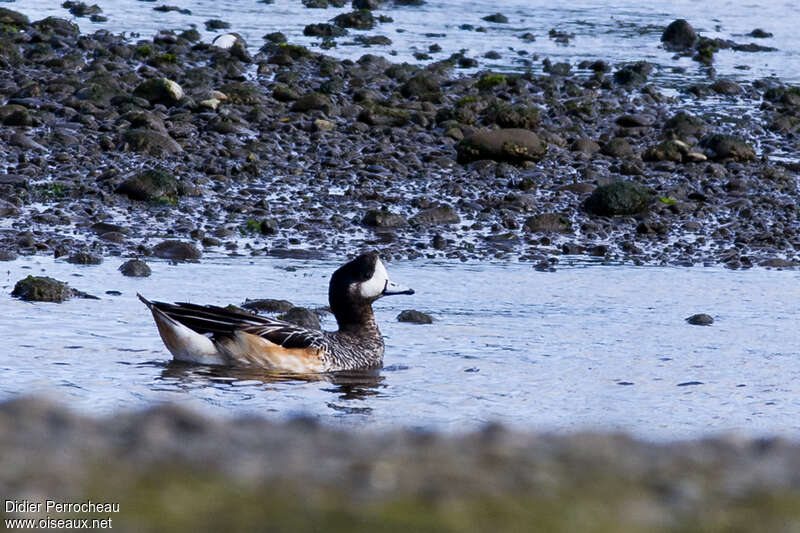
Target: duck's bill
393	288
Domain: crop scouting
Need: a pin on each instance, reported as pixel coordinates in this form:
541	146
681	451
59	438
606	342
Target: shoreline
334	156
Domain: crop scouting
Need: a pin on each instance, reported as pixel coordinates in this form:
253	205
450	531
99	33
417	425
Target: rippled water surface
588	346
628	30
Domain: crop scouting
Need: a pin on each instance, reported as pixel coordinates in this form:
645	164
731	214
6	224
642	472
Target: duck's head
355	285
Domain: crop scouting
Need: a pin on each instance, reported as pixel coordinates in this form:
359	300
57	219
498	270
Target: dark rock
366	4
726	87
548	223
312	102
301	316
618	147
84	258
436	215
324	30
268	305
684	125
422	85
508	116
216	24
151	142
160	91
497	18
57	26
7	209
361	19
633	74
670	150
177	251
510	145
619	198
722	146
414	317
679	35
152	184
41	289
135	268
587	146
700	319
758	33
636	120
282	93
12	18
383	219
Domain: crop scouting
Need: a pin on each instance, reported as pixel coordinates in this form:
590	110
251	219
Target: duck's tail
184	343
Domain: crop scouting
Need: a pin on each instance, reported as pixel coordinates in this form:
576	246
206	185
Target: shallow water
628	31
586	347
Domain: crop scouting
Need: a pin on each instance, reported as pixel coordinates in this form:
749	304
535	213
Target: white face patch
373	287
225	41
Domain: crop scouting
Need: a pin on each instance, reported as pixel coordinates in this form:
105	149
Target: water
586	347
627	31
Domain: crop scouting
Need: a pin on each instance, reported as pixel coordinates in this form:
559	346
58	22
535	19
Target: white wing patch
373	287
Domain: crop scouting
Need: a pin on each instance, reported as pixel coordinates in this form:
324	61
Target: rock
423	85
282	93
366	4
684	125
383	219
619	198
151	142
217	24
152	184
414	317
679	35
323	125
268	305
670	150
135	268
361	19
160	91
635	120
312	102
57	26
301	316
618	147
510	145
776	262
497	18
436	215
508	116
587	146
84	258
12	18
177	251
324	30
7	209
41	289
722	146
633	74
726	87
758	33
548	223
700	319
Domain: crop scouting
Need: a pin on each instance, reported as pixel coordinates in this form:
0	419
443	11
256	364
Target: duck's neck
358	320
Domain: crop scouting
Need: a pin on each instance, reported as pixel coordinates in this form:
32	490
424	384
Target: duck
212	335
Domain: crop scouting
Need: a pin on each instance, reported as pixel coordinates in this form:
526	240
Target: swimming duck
212	335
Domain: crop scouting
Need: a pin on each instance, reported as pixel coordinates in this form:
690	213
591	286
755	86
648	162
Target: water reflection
348	385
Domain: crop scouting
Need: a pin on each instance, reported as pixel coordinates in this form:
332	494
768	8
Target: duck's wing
224	322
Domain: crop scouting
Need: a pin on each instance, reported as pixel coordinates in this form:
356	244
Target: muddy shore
112	147
170	469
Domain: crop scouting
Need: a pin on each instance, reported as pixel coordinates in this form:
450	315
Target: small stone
414	317
268	305
84	258
159	91
679	35
177	251
700	319
135	268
